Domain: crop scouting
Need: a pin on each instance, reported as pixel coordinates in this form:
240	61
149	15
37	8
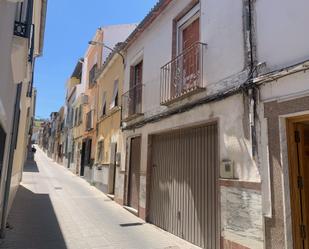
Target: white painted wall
232	142
221	29
80	88
289	87
282	32
7	92
114	34
232	145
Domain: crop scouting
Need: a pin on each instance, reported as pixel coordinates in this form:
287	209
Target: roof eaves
149	18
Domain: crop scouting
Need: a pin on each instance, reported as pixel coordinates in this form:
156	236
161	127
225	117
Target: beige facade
78	129
109	135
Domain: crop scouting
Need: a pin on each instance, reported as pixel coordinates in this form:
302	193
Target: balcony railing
183	75
23	18
132	102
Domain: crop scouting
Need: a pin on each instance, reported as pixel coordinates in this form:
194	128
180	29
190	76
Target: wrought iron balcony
183	74
23	18
132	102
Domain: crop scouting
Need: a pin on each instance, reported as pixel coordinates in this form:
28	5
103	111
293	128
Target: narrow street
55	209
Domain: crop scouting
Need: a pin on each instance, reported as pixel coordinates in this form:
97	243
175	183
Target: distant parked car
33	149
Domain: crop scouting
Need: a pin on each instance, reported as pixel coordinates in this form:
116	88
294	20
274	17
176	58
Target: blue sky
70	25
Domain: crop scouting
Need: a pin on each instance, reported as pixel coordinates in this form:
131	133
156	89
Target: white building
282	44
22	25
190	160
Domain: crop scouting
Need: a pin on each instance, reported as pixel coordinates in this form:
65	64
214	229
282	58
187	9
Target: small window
73	152
76	117
103	110
80	113
92	74
89	124
100	152
114	101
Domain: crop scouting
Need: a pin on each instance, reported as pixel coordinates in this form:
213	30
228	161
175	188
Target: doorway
2	147
134	173
112	170
298	147
82	159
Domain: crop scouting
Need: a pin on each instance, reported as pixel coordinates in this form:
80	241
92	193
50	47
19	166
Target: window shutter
80	114
103	107
132	72
115	94
140	73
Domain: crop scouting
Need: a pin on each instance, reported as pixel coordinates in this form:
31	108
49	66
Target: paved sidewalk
54	209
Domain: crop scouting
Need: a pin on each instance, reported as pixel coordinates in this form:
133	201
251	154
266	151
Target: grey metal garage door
183	198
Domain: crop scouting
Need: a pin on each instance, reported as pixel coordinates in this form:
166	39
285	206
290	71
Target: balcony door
135	95
188	57
190	37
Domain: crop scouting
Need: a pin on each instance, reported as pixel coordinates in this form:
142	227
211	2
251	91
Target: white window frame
183	23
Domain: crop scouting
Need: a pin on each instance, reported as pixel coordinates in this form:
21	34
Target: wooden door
112	170
134	172
82	160
135	94
190	37
299	182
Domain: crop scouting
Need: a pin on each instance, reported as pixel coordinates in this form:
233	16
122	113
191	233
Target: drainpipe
14	137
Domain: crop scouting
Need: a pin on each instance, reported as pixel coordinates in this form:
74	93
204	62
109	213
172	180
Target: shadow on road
31	166
33	223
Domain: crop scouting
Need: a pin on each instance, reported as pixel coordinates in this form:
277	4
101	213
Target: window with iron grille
89	121
183	74
92	74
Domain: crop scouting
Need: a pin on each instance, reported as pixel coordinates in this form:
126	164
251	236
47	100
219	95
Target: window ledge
111	112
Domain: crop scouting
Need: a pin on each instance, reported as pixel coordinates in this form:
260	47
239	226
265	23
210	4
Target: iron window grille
23	18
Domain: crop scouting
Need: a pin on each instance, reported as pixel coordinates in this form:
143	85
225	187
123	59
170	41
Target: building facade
190	160
22	25
198	122
283	106
103	41
107	175
70	118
